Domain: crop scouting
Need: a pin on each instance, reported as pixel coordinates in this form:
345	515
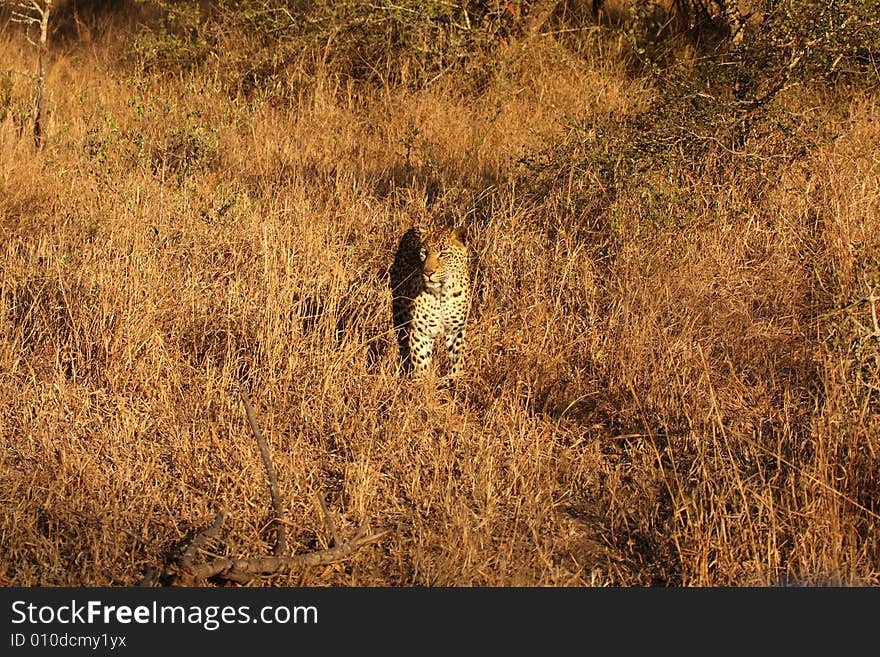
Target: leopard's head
441	251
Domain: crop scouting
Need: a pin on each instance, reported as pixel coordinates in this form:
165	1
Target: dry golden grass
671	403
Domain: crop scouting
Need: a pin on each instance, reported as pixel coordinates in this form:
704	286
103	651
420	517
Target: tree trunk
40	106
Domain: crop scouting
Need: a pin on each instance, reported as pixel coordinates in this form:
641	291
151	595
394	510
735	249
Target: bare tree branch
328	520
199	540
280	529
244	569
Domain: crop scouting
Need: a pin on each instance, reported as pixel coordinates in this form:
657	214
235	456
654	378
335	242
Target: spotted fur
430	285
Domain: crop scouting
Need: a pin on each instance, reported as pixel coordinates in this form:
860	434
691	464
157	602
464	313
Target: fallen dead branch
281	533
328	519
242	570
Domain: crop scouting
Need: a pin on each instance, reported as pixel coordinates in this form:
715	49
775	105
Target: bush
408	42
718	102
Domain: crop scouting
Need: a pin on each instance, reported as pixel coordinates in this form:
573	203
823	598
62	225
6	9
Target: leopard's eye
423	254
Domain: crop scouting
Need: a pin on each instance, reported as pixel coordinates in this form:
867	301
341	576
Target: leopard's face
444	259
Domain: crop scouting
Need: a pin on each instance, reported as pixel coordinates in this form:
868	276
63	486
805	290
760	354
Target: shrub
258	42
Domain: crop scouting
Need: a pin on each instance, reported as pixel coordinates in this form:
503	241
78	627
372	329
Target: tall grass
671	377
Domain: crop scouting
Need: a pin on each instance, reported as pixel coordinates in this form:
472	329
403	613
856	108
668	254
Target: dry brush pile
672	370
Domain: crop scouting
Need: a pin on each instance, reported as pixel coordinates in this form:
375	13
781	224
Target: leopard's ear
461	235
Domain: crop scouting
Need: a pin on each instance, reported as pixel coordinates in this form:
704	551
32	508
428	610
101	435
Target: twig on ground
241	570
245	569
281	531
328	520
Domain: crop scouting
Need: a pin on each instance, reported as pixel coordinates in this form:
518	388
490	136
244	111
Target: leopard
430	285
